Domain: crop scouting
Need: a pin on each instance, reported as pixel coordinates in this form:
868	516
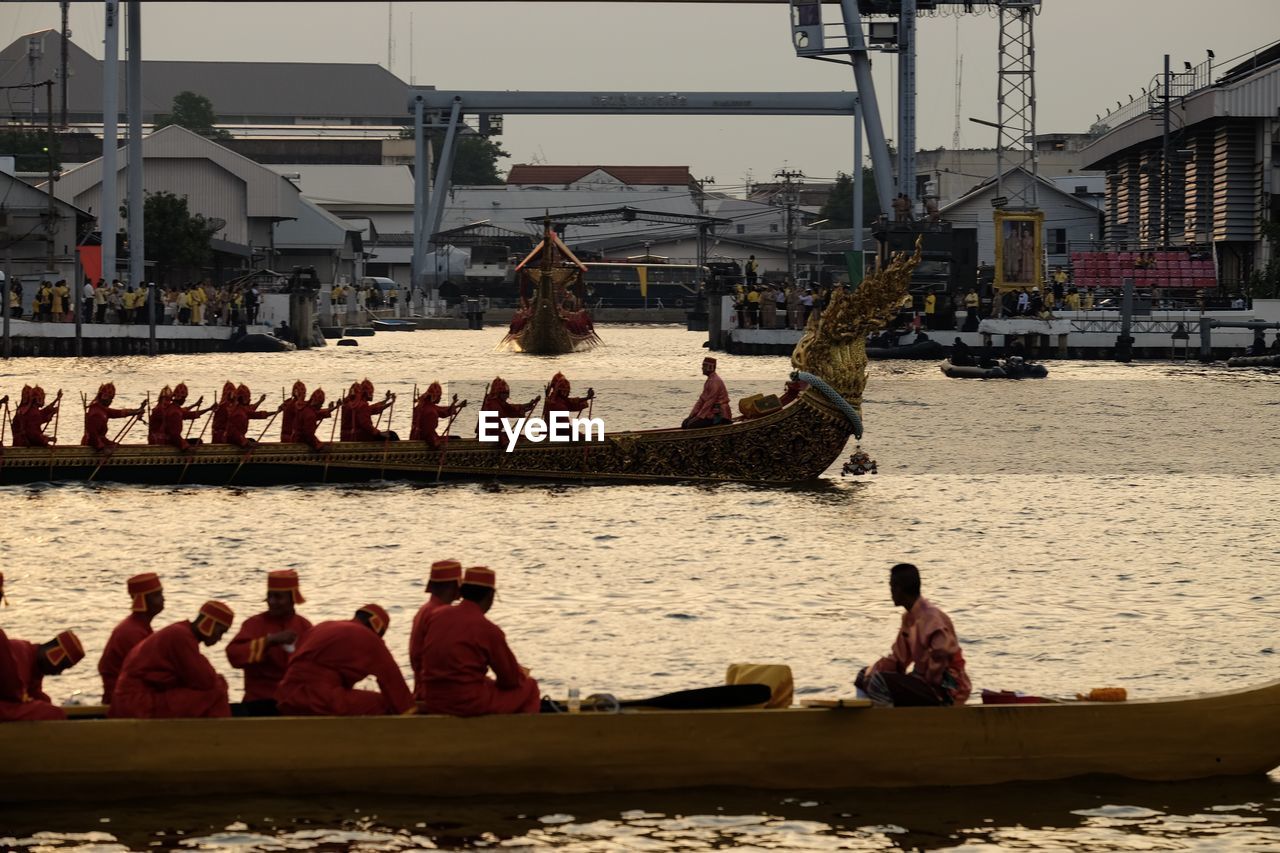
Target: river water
1110	526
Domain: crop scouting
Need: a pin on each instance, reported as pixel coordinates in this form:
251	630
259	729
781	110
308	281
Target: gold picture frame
1019	250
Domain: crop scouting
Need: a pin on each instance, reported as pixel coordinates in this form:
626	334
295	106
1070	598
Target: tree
176	240
195	113
1264	283
475	161
29	148
839	204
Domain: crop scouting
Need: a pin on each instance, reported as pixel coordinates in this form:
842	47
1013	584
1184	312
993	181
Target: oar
116	441
245	458
443	447
56	417
192	424
4	419
591	407
386	440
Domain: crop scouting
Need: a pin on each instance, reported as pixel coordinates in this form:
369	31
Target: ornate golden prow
834	345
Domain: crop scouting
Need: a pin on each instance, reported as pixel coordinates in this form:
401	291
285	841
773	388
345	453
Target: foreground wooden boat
1226	734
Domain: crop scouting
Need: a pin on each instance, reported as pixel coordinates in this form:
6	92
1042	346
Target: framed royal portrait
1019	249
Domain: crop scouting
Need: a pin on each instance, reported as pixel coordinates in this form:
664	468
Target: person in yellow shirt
1088	300
930	306
753	308
58	301
1073	300
198	300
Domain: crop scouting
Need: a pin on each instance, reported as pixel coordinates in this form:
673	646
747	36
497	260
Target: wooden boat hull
795	444
1225	734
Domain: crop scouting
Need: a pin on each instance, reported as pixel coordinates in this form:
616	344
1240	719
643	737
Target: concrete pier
59	339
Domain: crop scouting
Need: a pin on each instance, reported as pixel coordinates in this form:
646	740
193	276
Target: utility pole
1166	173
66	36
51	228
789	198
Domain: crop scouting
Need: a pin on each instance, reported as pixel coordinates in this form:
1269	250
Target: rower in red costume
289	412
220	412
442	589
165	675
712	406
155	419
346	429
31	663
308	418
427	413
362	412
497	399
98	416
239	413
147	596
177	415
558	399
265	642
333	659
461	646
31	416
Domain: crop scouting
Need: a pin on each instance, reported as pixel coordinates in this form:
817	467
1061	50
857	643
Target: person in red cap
558	399
427	413
362	411
31	416
712	407
239	413
265	641
289	411
165	675
148	602
220	411
155	419
98	416
176	416
308	418
442	591
460	649
31	663
350	402
497	399
336	656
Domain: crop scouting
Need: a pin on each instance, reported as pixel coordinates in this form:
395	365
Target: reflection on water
1101	815
1112	525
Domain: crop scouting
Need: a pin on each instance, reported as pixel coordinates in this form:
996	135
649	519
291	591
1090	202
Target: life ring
679	302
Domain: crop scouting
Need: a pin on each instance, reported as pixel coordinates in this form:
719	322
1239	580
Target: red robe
460	648
557	402
165	676
362	428
305	423
263	665
220	423
175	425
418	637
289	418
29	423
504	409
238	418
155	423
133	629
21	696
346	429
426	417
96	419
330	662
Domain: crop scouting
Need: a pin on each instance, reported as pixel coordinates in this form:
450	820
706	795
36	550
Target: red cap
214	613
443	571
67	648
140	586
480	576
285	580
378	618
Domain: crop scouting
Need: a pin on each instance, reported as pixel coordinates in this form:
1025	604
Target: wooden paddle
124	430
258	441
56	418
445	446
386	440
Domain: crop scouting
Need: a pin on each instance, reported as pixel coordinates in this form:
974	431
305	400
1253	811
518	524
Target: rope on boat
834	398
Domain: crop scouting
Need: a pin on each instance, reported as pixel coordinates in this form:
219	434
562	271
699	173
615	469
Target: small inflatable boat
1008	369
1254	361
924	350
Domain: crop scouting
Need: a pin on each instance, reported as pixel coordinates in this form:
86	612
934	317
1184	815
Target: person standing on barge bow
147	597
926	639
442	591
336	656
461	647
265	642
165	676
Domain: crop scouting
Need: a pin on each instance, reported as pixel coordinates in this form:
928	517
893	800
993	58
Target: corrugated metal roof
336	185
332	90
671	176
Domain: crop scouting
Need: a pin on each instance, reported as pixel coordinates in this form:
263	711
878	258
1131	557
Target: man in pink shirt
926	639
713	405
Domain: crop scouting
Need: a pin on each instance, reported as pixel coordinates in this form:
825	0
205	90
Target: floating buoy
859	463
348	342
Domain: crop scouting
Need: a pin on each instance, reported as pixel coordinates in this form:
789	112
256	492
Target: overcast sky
1091	53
